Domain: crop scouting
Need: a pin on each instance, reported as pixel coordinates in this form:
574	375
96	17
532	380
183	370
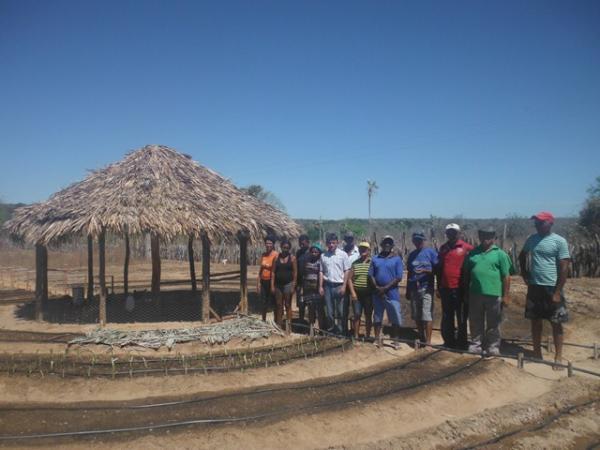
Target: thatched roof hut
153	190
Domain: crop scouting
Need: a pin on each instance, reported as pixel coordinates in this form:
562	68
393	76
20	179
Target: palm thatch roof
154	189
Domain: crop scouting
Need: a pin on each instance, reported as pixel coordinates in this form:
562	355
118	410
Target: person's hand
321	291
437	293
342	290
505	300
380	290
556	296
353	297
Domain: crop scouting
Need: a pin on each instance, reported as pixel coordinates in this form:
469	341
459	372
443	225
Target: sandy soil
473	407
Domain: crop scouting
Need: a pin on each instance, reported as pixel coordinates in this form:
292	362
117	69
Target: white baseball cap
453	226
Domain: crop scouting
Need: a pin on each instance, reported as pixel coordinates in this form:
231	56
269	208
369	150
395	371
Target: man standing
422	264
451	258
487	280
302	255
349	247
385	272
361	290
353	255
336	269
545	277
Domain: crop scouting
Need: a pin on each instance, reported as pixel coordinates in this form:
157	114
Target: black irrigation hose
569	344
234	394
547	421
467	352
279	412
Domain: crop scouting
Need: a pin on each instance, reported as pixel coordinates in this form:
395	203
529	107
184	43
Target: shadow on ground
171	306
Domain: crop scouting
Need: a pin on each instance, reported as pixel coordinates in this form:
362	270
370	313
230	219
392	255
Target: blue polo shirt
384	270
425	258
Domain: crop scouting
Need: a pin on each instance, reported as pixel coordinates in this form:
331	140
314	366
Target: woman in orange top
263	282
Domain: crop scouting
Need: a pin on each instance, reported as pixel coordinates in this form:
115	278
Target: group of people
337	284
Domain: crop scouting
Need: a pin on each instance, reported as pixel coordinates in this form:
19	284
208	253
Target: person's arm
465	279
294	271
505	271
523	266
563	272
273	265
321	290
399	270
345	283
506	290
258	280
351	284
438	273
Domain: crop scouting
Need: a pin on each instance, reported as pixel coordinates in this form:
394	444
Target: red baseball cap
544	216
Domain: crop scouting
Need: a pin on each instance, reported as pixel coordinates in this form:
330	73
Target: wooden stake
244	272
41	279
155	250
102	276
520	360
90	276
205	278
192	265
126	266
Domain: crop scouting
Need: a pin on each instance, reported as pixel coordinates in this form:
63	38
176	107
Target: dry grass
152	190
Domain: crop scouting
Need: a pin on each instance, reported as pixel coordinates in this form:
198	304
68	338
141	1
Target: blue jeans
334	306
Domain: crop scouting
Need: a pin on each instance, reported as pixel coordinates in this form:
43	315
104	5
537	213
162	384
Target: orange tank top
266	265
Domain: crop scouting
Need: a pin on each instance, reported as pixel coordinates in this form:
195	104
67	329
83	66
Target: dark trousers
454	307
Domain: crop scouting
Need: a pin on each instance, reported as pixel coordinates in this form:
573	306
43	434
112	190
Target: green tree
589	216
256	190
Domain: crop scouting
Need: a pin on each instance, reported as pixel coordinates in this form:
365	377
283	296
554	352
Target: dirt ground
360	398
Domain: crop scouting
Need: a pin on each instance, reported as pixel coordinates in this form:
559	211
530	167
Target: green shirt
546	253
487	270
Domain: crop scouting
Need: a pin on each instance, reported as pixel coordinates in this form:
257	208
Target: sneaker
493	352
395	345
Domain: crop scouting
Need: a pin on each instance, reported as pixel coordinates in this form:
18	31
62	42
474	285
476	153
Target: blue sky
471	108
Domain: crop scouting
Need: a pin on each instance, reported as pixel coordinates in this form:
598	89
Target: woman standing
263	282
312	285
283	283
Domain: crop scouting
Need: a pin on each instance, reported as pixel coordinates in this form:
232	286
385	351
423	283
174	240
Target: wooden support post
192	265
569	369
520	360
155	250
90	279
205	278
126	266
243	272
41	279
102	276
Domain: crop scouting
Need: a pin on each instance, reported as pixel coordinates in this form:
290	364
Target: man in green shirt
487	271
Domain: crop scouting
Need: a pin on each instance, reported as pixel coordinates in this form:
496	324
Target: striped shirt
545	255
361	273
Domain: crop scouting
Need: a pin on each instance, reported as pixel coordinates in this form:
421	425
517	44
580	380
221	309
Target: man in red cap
544	263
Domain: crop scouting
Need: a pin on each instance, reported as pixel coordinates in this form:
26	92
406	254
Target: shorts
390	305
266	295
285	289
540	305
364	303
421	305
